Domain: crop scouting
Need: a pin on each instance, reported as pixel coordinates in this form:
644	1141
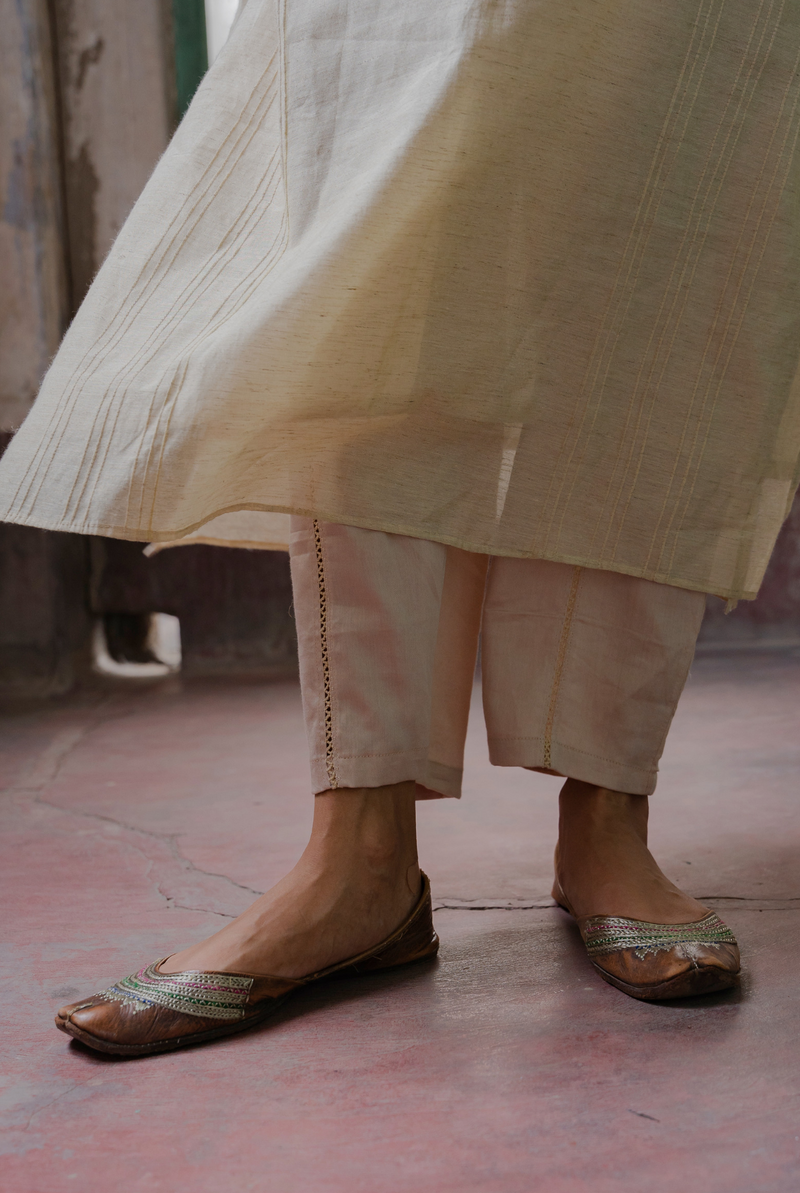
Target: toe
64	1014
93	1016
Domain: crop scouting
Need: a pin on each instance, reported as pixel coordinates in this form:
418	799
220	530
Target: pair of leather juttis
581	673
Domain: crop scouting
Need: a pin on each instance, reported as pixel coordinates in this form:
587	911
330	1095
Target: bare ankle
588	809
366	833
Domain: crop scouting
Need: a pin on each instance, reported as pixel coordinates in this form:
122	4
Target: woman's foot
356	894
642	934
603	865
356	882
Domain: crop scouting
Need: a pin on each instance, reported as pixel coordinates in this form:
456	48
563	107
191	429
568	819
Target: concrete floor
136	817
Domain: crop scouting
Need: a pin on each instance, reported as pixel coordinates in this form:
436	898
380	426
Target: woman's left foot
355	900
642	934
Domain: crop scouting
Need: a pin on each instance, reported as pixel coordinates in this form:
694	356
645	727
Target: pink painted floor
136	817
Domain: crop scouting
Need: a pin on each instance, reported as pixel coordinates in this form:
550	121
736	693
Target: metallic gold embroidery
609	934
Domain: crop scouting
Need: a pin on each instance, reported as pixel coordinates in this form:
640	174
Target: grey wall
32	256
87	106
116	84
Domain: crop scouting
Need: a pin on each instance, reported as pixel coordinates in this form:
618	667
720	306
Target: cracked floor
136	818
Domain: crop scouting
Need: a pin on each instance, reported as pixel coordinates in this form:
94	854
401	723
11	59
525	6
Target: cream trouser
581	669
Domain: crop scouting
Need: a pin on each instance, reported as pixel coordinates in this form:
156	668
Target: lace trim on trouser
326	666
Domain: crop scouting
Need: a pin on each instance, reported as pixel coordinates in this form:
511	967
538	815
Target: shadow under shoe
659	961
152	1012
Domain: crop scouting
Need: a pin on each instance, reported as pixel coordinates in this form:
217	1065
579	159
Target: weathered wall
44	617
45	620
86	109
90	98
117	93
34	302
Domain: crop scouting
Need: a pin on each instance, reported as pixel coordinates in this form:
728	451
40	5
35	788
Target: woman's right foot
603	864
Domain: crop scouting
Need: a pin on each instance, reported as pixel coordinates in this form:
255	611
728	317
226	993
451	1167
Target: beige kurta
516	275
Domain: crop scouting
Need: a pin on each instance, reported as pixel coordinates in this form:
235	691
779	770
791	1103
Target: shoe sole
201	1037
693	983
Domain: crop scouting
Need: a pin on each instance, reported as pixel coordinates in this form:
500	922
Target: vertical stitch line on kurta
675	299
599	382
326	666
696	411
685	92
731	332
547	761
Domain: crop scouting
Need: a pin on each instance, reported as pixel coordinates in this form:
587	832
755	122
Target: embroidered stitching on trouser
326	666
547	761
370	604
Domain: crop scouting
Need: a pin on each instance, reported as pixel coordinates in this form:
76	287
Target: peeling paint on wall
82	189
115	74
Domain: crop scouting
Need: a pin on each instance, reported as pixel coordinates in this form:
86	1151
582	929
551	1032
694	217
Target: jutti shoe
151	1011
655	961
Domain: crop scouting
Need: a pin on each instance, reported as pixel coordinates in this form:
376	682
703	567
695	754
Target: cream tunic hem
273	535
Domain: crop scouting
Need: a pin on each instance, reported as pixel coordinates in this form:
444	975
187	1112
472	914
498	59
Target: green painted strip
191	49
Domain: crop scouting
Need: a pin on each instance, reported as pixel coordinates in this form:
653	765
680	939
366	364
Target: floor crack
542	903
47	1105
44	767
750	898
227	915
493	904
170	840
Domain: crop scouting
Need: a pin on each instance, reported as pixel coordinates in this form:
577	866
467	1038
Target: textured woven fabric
581	668
515	275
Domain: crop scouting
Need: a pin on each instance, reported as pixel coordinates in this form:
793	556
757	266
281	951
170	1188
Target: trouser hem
383	770
575	764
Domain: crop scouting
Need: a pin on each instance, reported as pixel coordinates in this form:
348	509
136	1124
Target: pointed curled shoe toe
151	1011
655	961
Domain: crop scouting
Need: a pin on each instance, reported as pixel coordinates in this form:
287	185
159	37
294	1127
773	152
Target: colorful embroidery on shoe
207	995
609	934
